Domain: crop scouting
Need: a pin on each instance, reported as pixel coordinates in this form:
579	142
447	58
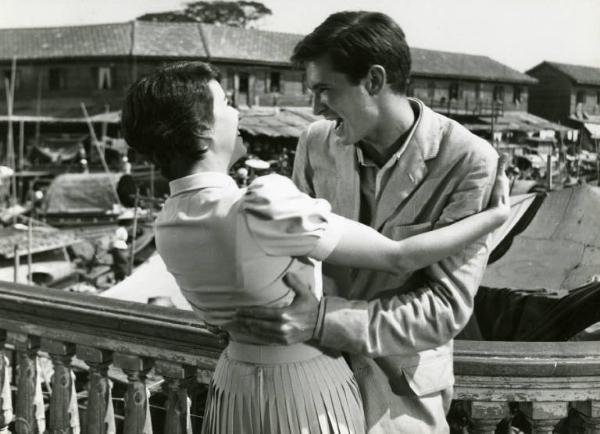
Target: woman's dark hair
166	113
356	40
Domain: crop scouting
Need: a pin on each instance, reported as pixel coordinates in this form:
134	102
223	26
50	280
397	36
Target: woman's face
226	137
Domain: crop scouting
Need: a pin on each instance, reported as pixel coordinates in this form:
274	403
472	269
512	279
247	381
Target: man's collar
201	180
417	108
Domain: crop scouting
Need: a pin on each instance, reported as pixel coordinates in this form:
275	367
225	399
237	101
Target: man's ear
376	79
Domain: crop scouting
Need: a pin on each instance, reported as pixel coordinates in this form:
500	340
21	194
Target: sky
518	33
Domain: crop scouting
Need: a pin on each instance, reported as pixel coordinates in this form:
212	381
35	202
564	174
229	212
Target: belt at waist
267	354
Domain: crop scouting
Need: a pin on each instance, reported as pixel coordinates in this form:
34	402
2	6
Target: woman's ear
376	79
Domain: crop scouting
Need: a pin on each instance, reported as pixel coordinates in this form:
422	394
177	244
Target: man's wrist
317	331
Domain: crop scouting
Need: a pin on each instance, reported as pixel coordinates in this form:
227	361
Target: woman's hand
499	200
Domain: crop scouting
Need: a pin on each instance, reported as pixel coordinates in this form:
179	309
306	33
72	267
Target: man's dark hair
355	41
167	112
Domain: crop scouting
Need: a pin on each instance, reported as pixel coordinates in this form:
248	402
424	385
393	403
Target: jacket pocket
405	231
431	376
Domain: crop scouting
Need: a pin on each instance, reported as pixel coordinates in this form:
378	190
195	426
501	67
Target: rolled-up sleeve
286	222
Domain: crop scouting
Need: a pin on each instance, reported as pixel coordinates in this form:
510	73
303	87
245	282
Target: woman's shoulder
271	195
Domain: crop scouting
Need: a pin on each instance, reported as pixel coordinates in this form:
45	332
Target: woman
229	248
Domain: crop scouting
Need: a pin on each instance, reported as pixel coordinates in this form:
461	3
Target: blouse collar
201	180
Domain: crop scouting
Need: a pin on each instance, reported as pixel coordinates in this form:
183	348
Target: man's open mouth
339	122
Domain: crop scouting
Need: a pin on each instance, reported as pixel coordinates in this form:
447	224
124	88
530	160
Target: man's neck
396	120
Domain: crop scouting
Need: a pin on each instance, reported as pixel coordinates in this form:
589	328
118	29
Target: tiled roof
234	43
221	43
168	39
64	42
580	74
444	63
276	122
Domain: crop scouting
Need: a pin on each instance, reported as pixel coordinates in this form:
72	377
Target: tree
231	13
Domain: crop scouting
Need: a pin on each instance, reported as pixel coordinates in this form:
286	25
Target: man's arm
431	314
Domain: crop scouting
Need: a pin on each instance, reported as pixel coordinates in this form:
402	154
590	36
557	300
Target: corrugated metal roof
65	42
224	43
580	74
168	40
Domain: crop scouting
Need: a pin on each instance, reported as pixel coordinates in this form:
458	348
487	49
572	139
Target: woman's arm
363	247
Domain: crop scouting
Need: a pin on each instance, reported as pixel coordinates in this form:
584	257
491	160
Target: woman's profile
230	247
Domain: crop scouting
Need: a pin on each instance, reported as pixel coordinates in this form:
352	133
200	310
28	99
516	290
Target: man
391	162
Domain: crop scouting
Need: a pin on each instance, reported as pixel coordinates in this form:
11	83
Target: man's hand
287	325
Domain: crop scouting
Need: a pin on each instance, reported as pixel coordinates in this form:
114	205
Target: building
564	91
58	68
465	84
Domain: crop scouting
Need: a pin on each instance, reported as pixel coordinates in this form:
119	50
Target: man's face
349	106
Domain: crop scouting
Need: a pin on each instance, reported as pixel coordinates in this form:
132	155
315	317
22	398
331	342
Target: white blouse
229	247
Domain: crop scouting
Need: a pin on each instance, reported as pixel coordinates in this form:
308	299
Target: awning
151	279
593	129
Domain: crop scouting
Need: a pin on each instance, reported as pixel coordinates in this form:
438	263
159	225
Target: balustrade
543	381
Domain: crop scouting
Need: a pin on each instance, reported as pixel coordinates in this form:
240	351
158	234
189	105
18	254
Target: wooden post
99	405
38	109
137	411
152	180
21	144
64	411
134	229
17	263
178	420
549	171
30	418
6	408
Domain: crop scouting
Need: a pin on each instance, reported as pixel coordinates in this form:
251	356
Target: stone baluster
64	411
197	392
100	411
544	416
486	415
178	419
137	411
30	412
590	410
6	409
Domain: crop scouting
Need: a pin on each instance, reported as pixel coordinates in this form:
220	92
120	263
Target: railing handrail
116	325
527	359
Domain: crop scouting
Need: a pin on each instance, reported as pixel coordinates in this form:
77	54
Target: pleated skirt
293	389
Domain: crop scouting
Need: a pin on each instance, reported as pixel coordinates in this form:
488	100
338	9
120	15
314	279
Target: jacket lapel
410	170
347	200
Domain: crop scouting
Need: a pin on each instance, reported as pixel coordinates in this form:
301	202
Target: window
105	78
230	80
305	85
517	94
581	97
453	91
275	83
498	93
598	98
57	78
431	89
244	82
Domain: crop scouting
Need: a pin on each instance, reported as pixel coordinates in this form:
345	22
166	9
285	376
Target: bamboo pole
549	171
97	145
134	230
16	264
